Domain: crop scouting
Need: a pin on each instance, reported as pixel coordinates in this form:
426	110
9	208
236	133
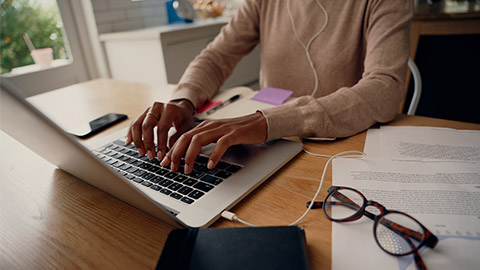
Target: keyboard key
180	178
148	176
176	196
137	163
163	172
196	194
125	167
155	187
130	176
129	160
171	175
211	179
204	169
156	179
196	174
112	161
131	146
154	169
203	186
138	180
201	159
147	184
175	186
165	182
131	153
154	162
132	170
223	174
111	146
190	182
117	155
139	172
118	164
233	168
165	191
222	165
106	151
146	166
123	150
185	190
187	200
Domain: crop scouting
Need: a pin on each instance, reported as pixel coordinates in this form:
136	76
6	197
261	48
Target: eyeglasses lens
342	204
398	234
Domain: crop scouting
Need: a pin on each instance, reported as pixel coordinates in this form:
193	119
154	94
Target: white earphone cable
231	216
307	47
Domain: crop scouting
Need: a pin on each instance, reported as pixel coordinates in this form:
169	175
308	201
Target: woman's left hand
250	129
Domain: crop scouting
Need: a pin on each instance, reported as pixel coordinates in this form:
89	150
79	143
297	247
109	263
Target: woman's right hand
178	114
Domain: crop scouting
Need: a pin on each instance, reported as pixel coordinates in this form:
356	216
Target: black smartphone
98	125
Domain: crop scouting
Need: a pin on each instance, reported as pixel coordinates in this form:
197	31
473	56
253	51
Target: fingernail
173	168
141	152
210	164
187	168
159	155
150	155
165	161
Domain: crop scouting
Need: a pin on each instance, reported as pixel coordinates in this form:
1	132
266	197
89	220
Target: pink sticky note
274	96
208	105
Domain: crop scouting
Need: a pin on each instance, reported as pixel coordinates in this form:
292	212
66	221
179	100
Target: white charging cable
309	43
231	216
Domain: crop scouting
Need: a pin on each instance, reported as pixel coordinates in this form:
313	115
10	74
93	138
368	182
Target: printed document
405	170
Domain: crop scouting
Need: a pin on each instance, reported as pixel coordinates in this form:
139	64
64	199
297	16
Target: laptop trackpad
241	182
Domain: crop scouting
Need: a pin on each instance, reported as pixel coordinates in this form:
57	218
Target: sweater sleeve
209	70
377	95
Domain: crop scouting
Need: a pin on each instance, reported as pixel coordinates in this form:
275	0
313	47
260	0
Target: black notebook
235	248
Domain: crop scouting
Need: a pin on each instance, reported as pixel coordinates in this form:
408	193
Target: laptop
194	200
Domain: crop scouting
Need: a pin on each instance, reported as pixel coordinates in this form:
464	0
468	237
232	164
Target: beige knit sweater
360	59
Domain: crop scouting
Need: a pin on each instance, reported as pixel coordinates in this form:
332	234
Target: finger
163	127
177	151
136	133
197	141
128	137
149	123
181	129
220	148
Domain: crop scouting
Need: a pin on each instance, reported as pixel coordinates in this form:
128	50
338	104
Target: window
63	26
32	33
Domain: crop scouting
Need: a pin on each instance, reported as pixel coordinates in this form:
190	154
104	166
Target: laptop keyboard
186	188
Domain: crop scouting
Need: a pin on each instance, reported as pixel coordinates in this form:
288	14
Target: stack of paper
433	174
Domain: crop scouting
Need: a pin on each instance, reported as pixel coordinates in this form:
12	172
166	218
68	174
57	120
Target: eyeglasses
395	232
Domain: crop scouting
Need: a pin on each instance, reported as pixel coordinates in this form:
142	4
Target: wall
125	15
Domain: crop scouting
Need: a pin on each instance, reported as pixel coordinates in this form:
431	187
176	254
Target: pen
228	101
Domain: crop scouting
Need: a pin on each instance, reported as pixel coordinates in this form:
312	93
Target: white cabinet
161	54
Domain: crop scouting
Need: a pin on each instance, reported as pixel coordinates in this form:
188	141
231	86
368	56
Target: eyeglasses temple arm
397	228
431	240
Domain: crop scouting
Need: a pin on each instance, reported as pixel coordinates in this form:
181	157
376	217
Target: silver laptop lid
32	128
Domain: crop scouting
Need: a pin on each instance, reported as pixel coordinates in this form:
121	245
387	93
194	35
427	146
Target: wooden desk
50	219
